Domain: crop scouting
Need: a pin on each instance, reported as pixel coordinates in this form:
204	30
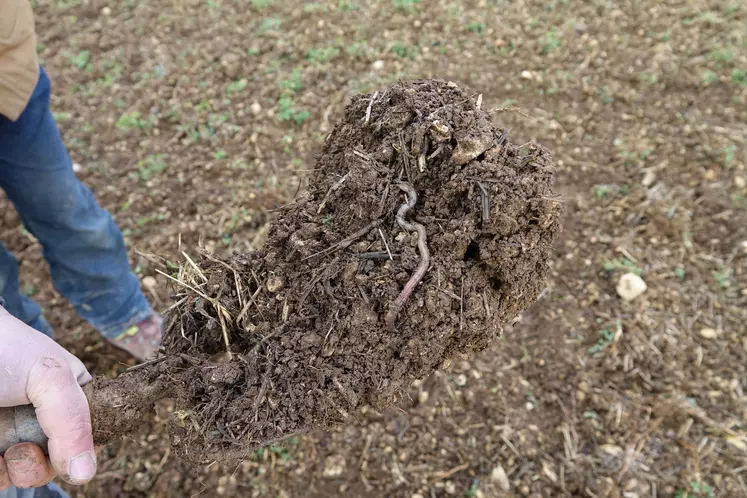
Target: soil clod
310	325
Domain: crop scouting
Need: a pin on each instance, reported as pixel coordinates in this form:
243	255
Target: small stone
77	168
527	75
451	84
149	282
498	475
106	11
255	108
334	466
529	406
648	179
708	333
740	182
450	488
460	380
417	495
630	286
611	449
377	65
423	397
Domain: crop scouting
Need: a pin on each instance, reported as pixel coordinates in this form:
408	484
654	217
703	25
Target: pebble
256	108
630	286
450	488
417	495
149	282
498	475
648	179
423	397
378	65
740	182
527	75
460	380
708	333
77	168
106	11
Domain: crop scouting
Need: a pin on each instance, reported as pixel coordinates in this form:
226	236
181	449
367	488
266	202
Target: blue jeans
81	242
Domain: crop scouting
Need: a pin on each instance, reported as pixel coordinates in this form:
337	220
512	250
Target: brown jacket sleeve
19	65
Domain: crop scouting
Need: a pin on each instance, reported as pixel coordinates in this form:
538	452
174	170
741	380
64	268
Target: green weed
150	166
722	55
293	83
606	336
132	120
679	272
347	6
260	4
723	276
220	154
606	96
739	76
405	6
315	7
476	27
236	86
709	77
549	42
404	51
623	264
697	489
359	49
602	190
61	116
269	24
288	112
730	155
81	60
321	55
648	78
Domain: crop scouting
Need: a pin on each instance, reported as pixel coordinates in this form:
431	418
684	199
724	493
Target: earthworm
399	303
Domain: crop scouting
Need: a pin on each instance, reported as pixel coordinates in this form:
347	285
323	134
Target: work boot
141	340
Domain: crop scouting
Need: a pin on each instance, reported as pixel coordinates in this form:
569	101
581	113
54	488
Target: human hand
36	370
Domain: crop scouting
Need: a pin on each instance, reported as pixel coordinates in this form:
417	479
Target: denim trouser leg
51	490
80	240
16	303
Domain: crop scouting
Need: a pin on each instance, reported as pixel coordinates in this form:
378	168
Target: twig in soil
399	303
478	106
517	110
385	244
370	106
373	255
332	189
485	203
383	198
440	476
145	364
260	395
461	307
343	244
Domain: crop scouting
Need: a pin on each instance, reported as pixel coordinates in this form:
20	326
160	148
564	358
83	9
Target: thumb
63	414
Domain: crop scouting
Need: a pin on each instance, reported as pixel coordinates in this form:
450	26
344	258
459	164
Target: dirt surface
325	319
193	121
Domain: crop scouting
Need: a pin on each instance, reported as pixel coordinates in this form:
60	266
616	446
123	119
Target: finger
27	466
63	414
4	477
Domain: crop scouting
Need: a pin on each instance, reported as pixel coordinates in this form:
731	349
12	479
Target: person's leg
16	303
80	240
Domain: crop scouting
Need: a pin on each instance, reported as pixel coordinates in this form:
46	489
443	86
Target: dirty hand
36	370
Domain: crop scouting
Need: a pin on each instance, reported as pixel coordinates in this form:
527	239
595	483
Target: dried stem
399	303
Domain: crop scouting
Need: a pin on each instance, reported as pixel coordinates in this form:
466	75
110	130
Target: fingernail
83	467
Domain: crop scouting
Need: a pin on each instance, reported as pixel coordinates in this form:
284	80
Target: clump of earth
424	231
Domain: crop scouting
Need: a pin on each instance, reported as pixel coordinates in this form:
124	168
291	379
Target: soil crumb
424	230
